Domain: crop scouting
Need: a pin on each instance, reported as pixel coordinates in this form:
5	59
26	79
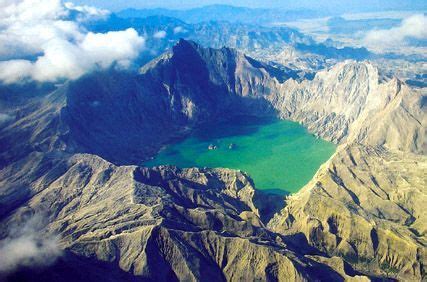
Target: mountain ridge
63	156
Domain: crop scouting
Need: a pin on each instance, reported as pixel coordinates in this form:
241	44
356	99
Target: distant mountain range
225	13
276	12
262	42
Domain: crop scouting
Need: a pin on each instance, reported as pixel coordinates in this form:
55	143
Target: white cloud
87	10
179	29
5	118
26	25
13	70
60	48
112	46
412	27
160	34
28	246
26	251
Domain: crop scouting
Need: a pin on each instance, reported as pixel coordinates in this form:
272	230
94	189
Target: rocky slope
349	103
130	222
366	204
162	223
191	84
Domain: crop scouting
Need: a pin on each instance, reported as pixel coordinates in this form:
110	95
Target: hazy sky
342	5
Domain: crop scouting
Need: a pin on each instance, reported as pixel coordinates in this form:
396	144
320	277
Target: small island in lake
212	147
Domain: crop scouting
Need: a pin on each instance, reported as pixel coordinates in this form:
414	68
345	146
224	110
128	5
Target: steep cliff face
348	104
168	223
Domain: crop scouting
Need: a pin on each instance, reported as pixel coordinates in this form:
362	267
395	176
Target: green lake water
280	156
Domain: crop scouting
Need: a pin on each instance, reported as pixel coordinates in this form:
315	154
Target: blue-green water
278	155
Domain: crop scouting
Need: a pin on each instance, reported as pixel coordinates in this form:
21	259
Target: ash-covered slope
349	103
163	223
366	205
166	223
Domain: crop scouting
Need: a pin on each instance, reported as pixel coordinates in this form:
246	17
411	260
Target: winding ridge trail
72	156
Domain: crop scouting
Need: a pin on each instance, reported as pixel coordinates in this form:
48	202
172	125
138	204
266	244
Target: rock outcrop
349	104
160	223
73	155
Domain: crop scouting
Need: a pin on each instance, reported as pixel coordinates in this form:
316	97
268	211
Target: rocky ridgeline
162	223
363	207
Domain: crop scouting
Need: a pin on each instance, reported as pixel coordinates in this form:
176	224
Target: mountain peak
184	43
